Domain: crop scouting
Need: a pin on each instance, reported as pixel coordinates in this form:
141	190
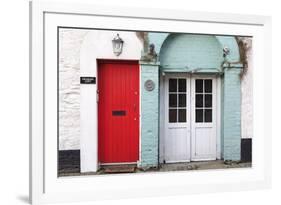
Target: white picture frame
46	187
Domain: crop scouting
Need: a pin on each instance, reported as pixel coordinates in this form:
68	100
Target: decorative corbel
150	55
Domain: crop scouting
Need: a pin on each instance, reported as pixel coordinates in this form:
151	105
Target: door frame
163	111
119	61
216	109
217	77
188	117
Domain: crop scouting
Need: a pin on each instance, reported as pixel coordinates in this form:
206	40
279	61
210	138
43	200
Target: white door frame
164	114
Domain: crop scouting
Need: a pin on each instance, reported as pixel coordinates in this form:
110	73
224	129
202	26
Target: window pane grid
177	100
203	100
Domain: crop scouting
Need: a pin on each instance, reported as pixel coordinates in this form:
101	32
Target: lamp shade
117	44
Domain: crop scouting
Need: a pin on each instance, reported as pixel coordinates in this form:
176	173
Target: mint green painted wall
157	39
149	116
231	43
232	114
222	116
189	52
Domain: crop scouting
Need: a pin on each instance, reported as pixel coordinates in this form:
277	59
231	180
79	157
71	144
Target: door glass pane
199	115
208	86
178	99
182	100
172	115
182	85
172	100
208	115
203	101
172	85
199	86
182	115
199	100
208	100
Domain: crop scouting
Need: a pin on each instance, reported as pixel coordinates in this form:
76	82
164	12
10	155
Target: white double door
189	118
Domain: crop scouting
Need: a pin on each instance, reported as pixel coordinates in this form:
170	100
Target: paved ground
218	164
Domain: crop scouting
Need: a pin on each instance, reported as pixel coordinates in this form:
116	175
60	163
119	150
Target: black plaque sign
87	80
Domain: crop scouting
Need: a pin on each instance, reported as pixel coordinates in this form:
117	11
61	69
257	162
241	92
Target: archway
191	59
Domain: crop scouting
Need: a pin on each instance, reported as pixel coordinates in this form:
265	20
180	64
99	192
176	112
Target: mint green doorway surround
195	54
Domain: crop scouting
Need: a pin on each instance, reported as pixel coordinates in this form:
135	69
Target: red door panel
118	111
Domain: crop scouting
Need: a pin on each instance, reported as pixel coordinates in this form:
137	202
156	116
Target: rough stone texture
247	92
149	119
70	41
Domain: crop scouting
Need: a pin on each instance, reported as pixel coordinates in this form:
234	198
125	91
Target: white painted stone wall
247	94
97	44
70	41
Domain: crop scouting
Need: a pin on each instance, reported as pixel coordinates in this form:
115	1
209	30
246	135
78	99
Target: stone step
119	169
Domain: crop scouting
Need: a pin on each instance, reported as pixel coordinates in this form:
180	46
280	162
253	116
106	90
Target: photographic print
122	97
142	102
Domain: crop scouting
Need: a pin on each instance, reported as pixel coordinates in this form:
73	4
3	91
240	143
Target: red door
118	111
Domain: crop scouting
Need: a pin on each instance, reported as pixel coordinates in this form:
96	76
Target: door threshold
111	168
175	162
203	160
